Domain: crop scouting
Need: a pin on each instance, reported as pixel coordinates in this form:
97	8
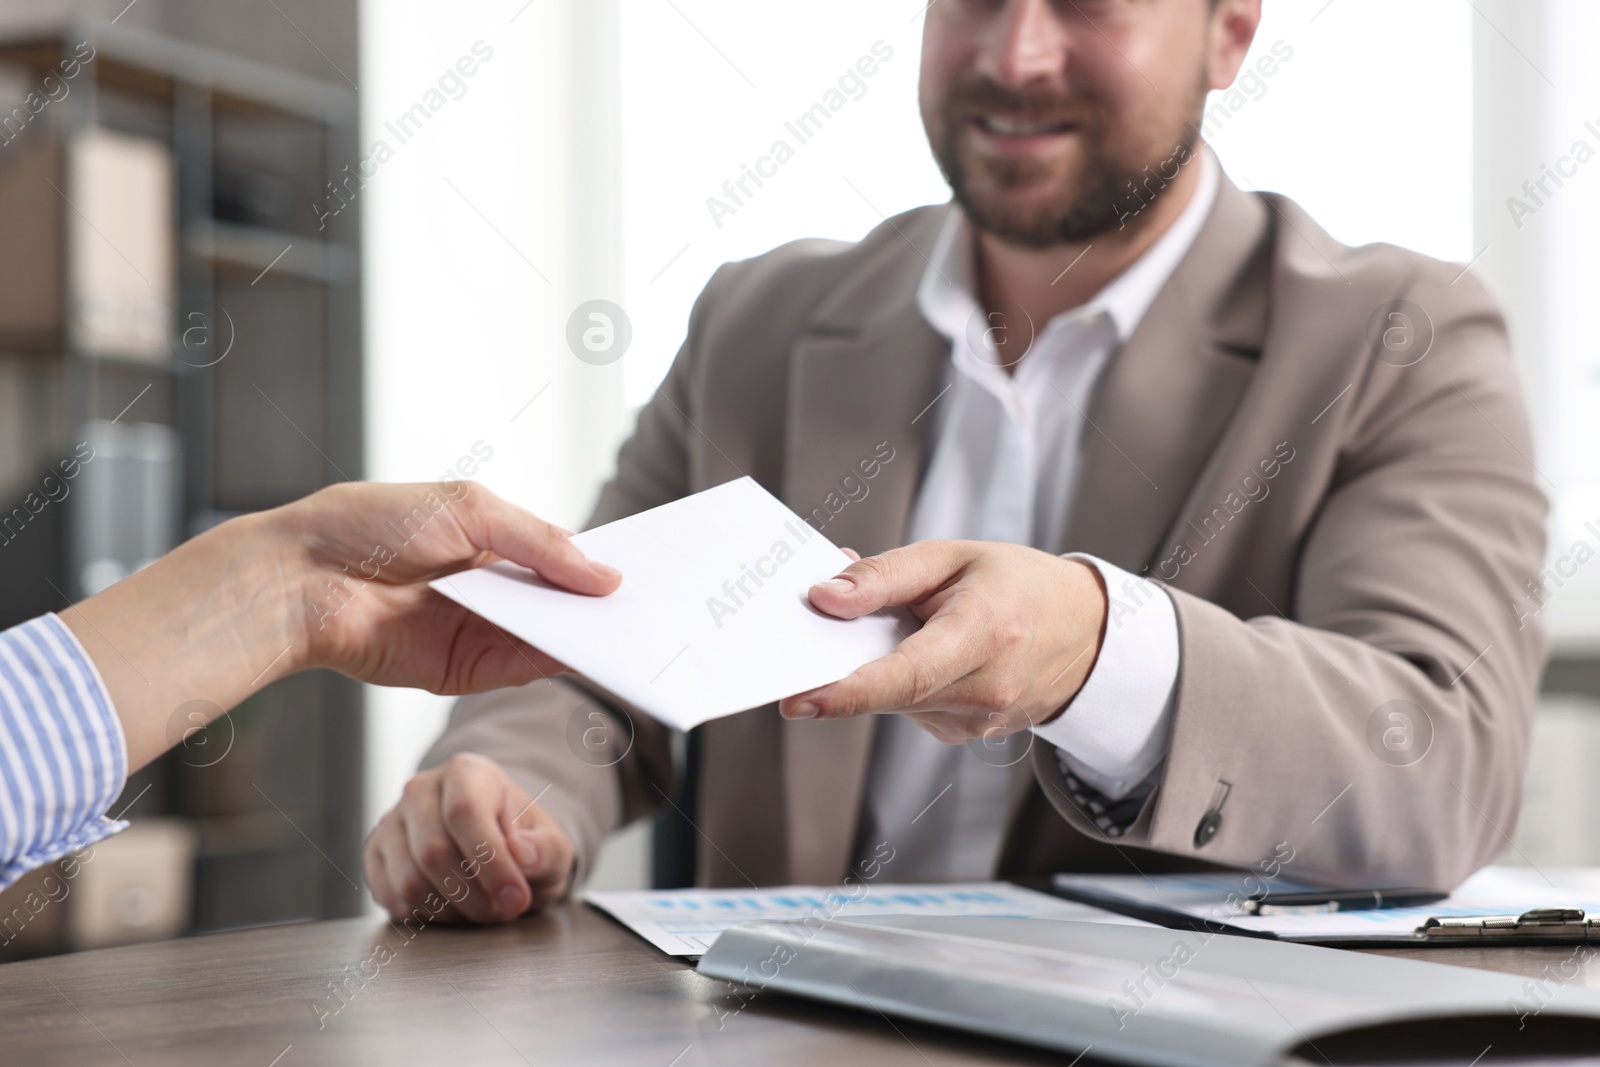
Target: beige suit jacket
1346	538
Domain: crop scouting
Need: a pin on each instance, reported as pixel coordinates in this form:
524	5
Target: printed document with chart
686	922
712	616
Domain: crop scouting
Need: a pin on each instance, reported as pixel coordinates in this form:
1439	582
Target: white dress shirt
1004	458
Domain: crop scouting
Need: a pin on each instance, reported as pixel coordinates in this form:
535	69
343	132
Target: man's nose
1028	42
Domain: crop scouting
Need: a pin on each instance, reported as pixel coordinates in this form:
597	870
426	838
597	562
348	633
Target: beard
1000	196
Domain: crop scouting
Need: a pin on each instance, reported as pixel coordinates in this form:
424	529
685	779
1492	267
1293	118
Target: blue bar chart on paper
685	922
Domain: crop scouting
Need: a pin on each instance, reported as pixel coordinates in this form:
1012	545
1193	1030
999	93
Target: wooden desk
568	987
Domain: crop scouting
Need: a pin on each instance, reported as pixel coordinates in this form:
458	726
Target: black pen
1315	903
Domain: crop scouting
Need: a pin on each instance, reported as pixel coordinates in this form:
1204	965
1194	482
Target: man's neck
1047	281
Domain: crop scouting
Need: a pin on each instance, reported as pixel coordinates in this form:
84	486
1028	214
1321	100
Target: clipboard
1566	926
1498	905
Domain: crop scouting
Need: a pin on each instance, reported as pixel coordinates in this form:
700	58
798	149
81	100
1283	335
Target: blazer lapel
1167	397
860	381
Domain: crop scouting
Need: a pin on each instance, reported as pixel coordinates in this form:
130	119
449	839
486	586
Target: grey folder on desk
1152	996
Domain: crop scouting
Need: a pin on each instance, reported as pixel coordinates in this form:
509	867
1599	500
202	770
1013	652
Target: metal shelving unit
264	278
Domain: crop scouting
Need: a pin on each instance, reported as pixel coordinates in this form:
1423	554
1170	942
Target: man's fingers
542	851
434	852
468	802
375	863
409	887
529	541
945	650
550	866
397	883
947	727
899	576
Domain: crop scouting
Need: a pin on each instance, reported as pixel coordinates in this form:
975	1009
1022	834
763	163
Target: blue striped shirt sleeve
63	758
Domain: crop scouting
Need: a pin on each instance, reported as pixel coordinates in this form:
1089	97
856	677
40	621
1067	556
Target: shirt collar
947	293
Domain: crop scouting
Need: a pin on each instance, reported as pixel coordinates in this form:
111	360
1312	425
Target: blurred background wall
513	162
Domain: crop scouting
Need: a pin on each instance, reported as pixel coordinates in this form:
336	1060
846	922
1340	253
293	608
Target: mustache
1039	103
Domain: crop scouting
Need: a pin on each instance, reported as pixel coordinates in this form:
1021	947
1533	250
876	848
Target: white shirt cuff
1114	732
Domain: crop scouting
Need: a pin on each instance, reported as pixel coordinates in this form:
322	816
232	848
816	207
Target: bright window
708	88
709	85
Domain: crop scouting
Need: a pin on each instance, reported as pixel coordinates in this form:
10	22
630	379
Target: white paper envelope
711	617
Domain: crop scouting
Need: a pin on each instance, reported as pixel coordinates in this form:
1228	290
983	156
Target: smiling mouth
1007	126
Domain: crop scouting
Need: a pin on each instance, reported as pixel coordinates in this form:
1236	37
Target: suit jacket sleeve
595	776
1375	726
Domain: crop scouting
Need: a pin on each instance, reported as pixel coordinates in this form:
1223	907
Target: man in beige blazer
1218	527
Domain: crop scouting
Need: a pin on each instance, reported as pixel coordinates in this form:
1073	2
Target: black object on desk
1496	906
1319	902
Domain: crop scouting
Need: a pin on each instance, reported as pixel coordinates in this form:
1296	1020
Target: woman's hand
364	555
337	580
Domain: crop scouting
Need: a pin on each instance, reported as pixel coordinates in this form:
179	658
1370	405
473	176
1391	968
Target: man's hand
469	836
1009	636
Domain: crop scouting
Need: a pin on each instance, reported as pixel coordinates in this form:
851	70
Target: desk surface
571	986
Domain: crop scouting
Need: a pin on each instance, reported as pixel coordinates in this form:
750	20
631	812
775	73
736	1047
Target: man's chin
1032	221
1036	202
